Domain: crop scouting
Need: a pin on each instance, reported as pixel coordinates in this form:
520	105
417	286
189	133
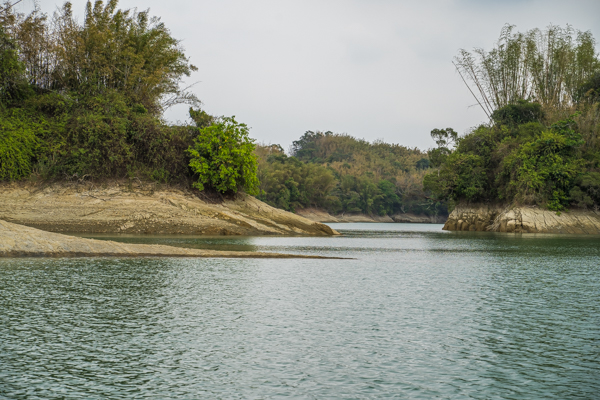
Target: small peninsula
21	241
535	165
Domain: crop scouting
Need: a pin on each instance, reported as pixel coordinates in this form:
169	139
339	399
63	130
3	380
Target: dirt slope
143	208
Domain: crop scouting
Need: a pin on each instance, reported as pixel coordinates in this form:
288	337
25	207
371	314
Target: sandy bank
22	241
144	208
521	219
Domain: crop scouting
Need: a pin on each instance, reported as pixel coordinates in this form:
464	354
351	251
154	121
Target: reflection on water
420	313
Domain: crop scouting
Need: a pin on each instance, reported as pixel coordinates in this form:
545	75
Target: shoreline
17	241
319	215
522	219
144	208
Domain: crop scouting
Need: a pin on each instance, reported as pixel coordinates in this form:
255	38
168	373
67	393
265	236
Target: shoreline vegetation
82	103
539	154
70	113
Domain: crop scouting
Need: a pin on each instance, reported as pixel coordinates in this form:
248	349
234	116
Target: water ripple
418	314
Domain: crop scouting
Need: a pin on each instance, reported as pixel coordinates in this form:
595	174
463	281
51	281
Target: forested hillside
342	174
86	98
85	101
541	90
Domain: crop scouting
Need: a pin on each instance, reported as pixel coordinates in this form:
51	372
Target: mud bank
144	208
521	219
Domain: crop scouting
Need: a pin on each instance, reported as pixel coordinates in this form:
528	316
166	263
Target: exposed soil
521	219
141	207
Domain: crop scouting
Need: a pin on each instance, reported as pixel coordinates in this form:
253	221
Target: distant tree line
342	174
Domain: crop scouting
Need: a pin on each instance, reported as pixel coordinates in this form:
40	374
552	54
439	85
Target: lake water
417	313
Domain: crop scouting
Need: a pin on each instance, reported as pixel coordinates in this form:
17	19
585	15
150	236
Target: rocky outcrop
21	241
315	214
117	207
521	219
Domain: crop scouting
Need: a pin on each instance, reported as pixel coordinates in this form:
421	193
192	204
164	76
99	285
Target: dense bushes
529	163
18	144
542	151
85	100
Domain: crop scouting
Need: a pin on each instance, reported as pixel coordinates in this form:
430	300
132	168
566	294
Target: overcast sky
374	69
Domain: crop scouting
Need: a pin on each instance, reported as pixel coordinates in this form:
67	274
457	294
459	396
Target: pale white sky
378	69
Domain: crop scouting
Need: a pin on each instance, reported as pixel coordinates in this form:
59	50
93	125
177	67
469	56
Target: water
418	313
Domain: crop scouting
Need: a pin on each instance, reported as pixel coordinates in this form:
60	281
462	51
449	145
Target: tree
223	158
444	138
112	50
12	83
546	66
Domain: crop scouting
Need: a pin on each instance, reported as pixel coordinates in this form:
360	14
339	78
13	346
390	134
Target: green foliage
528	163
533	153
288	183
201	118
590	89
85	99
18	145
547	66
223	158
518	113
111	50
544	170
342	174
13	85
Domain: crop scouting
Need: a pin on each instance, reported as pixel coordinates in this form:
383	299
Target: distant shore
318	215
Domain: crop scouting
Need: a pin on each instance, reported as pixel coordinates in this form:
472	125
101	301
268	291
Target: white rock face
522	219
22	241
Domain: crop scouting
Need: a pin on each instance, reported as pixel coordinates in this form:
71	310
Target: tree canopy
342	174
85	99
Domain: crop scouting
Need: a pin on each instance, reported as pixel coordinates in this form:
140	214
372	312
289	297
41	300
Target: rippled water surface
418	313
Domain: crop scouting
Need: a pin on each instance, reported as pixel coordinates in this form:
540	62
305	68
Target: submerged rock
521	219
22	241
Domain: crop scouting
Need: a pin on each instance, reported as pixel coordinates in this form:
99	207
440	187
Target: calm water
419	313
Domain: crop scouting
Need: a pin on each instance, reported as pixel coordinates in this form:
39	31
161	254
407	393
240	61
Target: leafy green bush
18	144
544	170
223	158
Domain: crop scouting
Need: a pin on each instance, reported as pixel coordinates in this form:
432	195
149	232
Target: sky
373	69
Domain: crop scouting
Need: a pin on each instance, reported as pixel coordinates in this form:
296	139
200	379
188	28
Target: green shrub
18	144
223	158
518	113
